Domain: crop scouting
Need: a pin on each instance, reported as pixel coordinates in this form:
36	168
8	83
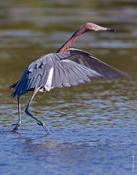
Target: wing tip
117	75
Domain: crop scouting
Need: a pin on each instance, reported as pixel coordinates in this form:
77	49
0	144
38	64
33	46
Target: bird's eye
95	28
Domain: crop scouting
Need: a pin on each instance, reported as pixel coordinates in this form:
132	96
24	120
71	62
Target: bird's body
67	67
58	70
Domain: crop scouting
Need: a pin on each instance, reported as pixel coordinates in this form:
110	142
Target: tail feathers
13	85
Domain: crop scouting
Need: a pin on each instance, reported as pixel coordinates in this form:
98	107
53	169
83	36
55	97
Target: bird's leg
18	124
41	123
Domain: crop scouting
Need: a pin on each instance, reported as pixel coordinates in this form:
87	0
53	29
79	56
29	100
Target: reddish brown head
84	28
94	27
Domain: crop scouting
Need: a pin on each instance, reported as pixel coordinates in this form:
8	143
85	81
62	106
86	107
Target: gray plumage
66	67
71	68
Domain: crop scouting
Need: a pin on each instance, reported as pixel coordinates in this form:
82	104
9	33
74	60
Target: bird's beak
111	30
99	28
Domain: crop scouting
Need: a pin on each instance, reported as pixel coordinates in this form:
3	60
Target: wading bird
66	67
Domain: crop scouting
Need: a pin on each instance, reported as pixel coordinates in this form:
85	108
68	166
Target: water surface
92	126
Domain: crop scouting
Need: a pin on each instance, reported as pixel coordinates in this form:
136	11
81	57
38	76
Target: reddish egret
66	67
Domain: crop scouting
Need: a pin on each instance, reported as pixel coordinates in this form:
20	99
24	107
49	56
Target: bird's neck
72	39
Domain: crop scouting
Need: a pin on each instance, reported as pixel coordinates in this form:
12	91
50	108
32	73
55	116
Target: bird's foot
17	126
44	126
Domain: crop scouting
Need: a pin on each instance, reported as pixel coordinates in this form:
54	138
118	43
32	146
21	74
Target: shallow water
92	126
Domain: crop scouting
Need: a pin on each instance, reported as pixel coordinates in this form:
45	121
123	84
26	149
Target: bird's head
94	27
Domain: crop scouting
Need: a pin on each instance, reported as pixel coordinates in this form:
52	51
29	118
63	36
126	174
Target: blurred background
93	126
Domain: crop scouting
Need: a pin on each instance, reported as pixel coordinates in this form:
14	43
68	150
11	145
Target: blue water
65	151
87	136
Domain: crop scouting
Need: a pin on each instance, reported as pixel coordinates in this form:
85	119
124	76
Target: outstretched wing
67	73
57	70
52	70
86	59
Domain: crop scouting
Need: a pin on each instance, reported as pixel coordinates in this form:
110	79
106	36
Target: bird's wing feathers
67	73
86	59
57	70
34	76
